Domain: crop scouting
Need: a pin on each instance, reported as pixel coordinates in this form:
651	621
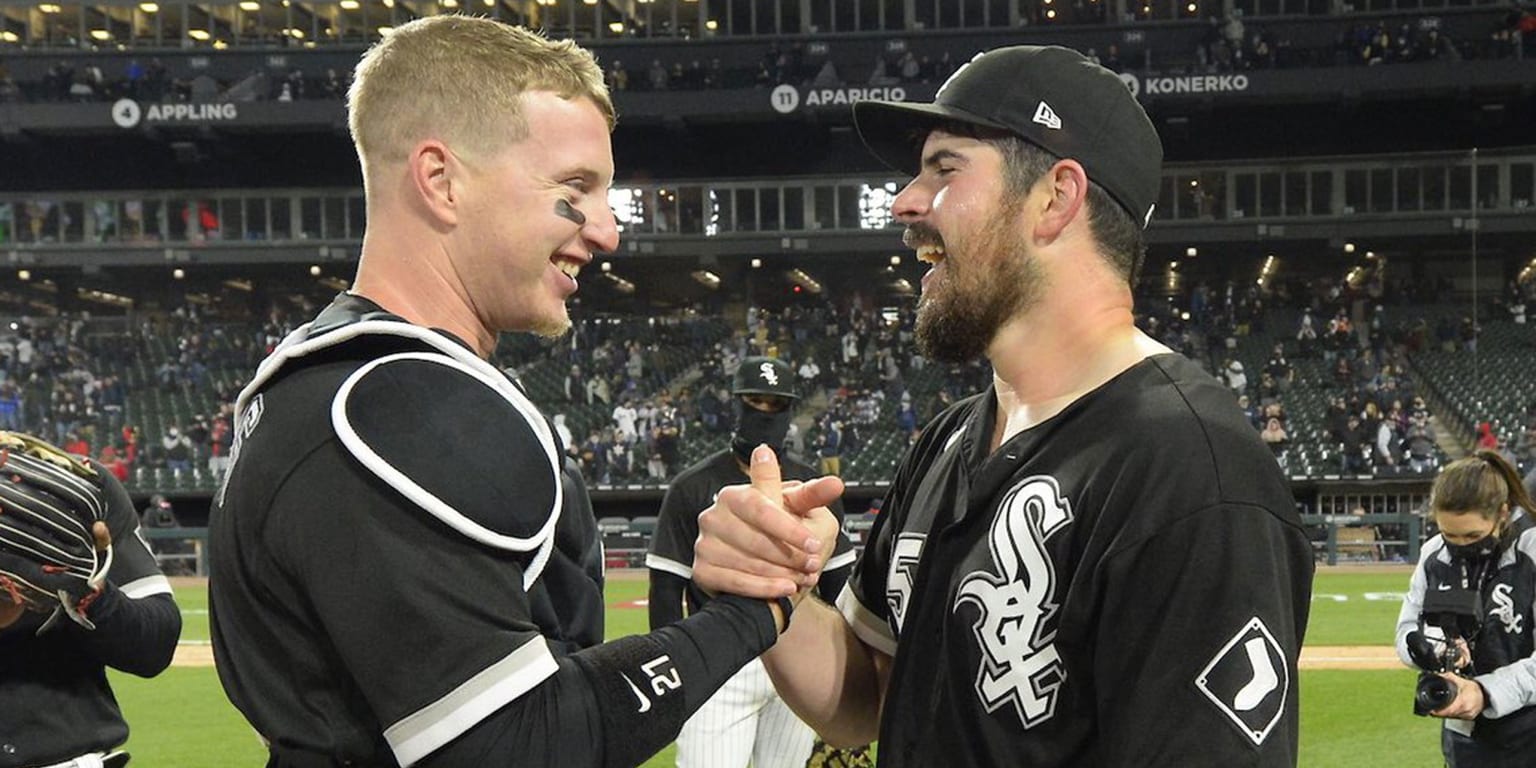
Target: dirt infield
1320	657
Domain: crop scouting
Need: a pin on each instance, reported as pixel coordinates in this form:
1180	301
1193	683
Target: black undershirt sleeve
666	598
617	704
135	636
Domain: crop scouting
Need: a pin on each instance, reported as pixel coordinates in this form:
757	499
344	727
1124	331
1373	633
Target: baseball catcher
55	548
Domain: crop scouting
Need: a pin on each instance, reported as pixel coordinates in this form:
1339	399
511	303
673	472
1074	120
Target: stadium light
24	275
149	7
251	5
895	261
101	34
1191	252
314	270
450	3
383	31
757	263
616	27
350	5
200	35
711	24
1051	13
178	273
48	7
1349	247
8	36
607	266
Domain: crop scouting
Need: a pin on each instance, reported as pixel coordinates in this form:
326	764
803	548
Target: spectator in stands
1354	449
829	447
575	385
1486	439
1385	444
1274	436
1237	381
177	450
1250	411
1419	444
1306	335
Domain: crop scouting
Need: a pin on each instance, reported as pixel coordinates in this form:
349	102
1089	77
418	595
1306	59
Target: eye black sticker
564	210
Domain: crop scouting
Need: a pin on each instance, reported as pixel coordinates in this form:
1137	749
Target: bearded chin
953	327
953	331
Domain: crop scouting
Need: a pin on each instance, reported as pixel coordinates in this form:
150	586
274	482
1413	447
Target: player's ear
1065	188
437	178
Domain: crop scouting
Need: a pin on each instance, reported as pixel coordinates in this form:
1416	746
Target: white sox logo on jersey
1019	662
1504	609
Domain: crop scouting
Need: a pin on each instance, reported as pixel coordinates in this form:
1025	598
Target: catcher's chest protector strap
446	430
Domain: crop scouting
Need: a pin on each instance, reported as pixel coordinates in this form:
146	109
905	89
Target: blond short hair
458	79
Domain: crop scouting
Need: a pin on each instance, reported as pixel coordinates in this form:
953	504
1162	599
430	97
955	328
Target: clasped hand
769	539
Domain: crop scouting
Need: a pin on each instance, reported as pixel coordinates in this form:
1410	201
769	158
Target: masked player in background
745	722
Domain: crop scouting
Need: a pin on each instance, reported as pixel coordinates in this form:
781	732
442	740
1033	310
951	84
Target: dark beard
957	333
957	328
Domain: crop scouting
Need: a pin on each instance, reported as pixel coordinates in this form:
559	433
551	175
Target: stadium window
1295	192
1321	189
1522	184
794	208
1408	189
770	212
1269	194
281	219
823	207
1434	187
746	210
1381	191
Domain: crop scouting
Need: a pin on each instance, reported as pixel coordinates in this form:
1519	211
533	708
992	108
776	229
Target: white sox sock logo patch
1019	662
1248	680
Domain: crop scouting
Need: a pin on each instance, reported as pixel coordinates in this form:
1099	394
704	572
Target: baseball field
1355	697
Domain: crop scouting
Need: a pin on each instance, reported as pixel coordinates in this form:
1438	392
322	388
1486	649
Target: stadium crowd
1323	368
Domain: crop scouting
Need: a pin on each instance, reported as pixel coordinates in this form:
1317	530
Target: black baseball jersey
385	478
692	491
55	703
1504	651
1126	583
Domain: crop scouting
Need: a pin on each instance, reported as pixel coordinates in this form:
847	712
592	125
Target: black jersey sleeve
677	526
137	621
1200	628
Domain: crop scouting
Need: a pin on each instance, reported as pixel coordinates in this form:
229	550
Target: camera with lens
1455	613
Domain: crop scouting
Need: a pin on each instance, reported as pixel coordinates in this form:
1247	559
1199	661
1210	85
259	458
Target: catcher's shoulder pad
457	439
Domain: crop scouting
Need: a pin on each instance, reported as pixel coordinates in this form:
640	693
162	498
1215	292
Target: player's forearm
665	600
831	679
137	636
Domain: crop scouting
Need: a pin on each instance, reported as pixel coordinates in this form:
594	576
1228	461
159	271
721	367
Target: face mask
754	428
1478	550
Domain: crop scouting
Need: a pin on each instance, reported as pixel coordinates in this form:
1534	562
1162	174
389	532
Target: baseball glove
824	755
50	560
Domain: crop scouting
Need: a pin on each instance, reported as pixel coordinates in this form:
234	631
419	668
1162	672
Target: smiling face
518	247
962	218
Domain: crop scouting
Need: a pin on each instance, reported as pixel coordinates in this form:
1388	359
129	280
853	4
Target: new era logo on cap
1046	116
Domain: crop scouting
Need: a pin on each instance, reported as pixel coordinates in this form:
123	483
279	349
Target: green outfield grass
1353	719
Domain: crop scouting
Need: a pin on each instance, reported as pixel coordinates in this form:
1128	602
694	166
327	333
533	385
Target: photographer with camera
1467	618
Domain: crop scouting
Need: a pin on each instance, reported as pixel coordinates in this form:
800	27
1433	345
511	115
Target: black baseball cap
764	376
1050	96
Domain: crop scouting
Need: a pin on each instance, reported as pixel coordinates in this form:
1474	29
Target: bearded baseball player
1094	562
79	592
745	722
